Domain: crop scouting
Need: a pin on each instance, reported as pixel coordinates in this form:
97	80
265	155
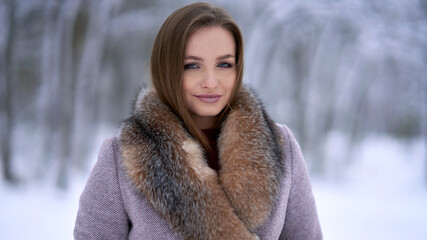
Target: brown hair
167	58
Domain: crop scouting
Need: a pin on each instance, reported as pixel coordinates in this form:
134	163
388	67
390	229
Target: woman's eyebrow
201	59
225	57
193	57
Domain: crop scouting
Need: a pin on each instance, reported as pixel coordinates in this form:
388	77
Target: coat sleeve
101	213
301	221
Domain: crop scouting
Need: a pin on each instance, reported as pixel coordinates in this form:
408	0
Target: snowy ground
38	212
383	196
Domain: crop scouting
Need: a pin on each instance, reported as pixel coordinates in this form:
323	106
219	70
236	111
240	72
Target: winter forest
349	78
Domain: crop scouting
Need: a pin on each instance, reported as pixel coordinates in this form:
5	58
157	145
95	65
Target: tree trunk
88	79
423	107
45	100
66	90
6	94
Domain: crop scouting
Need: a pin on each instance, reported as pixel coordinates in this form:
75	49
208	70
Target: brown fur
168	166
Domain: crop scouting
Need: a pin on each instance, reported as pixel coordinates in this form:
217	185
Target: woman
199	158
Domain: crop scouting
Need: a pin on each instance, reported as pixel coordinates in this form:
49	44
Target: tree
6	94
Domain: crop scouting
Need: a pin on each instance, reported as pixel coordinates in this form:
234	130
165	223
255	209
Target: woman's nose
210	80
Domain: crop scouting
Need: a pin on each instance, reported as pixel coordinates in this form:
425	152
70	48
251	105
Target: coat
152	181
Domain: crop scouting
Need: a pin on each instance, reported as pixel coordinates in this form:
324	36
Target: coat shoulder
301	207
290	142
284	129
101	211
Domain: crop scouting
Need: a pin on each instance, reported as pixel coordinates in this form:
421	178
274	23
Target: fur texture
168	166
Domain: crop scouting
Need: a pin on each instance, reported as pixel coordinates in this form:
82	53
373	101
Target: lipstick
208	98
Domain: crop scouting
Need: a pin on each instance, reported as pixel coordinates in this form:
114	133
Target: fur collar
168	166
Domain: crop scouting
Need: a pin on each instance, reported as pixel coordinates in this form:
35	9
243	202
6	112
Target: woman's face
209	74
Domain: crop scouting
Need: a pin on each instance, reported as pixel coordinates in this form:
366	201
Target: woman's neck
204	122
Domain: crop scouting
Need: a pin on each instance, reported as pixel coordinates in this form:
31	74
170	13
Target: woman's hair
167	58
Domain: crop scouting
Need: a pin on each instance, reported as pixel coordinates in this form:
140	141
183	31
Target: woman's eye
190	66
225	65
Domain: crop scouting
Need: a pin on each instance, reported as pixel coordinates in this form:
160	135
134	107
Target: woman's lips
208	98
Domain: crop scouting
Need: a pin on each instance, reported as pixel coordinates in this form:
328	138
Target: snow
351	212
38	211
381	195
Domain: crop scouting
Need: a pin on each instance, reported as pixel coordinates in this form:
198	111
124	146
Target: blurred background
348	77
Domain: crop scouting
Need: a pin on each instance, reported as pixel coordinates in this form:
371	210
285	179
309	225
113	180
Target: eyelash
191	66
225	65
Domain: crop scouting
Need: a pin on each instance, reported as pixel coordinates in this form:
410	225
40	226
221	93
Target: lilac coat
111	207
